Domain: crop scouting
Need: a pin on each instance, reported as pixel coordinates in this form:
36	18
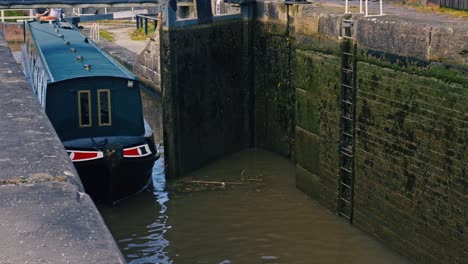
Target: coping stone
52	222
45	216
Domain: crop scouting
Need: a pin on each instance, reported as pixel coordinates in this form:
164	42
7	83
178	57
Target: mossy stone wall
411	154
411	120
411	130
317	127
205	95
273	94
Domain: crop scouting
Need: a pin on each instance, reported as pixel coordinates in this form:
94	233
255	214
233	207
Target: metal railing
94	33
366	5
3	17
142	21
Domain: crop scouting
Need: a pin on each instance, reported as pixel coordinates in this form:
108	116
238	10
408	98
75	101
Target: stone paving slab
31	148
52	222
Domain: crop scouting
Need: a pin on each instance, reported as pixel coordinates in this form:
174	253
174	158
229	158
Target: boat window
104	104
84	108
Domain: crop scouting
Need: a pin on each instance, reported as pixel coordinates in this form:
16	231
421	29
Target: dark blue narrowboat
94	105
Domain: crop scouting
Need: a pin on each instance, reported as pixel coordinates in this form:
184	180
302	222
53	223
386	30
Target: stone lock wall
278	84
205	95
148	67
13	32
411	163
274	91
410	159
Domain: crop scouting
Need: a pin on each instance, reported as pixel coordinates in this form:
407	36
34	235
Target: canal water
263	220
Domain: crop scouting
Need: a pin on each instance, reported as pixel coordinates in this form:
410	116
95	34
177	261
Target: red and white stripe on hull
137	152
82	155
133	152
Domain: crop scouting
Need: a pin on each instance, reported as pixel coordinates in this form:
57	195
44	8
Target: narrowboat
95	106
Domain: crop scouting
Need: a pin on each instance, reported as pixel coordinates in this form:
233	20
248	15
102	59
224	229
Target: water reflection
139	223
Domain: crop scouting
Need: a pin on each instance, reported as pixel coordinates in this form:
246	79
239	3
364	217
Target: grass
13	13
107	21
139	34
453	12
106	35
439	10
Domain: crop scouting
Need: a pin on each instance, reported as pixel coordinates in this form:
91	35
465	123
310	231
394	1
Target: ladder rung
347	86
347	134
349	54
347	70
347	154
345	169
346	201
347	118
346	102
346	37
347	148
345	185
347	217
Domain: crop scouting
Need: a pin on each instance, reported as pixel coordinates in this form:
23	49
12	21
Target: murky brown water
273	223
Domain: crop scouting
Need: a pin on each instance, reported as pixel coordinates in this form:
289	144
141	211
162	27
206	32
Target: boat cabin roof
67	51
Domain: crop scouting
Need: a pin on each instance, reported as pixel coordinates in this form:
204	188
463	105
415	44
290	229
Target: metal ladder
347	121
94	33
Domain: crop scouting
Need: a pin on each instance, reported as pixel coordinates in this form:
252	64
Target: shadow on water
139	223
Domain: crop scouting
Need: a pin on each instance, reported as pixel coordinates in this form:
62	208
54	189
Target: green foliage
139	34
14	13
453	12
435	9
109	36
114	21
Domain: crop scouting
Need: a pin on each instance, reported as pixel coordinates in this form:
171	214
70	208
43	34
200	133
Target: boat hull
113	182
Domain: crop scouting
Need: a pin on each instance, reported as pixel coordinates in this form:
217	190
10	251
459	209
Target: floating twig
216	182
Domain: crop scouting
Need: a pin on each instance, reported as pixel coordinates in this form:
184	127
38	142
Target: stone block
395	36
306	71
449	44
308	111
271	12
330	26
52	222
307	182
13	32
278	124
306	21
308	150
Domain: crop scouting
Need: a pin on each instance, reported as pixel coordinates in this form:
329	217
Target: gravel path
121	35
